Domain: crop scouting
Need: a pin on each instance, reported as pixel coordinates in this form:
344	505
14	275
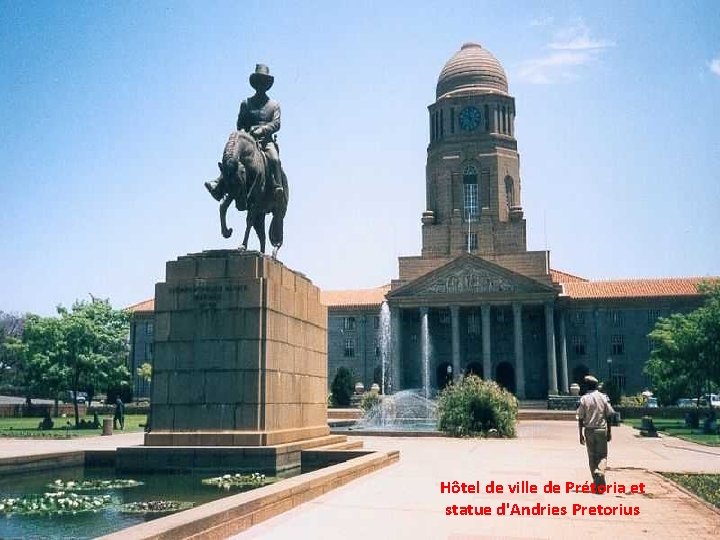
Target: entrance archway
505	376
443	375
474	368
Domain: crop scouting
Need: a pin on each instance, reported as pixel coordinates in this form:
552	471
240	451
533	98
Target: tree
686	356
12	351
83	348
342	387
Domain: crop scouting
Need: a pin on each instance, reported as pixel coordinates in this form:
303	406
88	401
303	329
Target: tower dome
472	69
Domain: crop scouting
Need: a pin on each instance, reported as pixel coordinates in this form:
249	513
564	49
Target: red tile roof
142	307
355	297
563	277
634	288
573	287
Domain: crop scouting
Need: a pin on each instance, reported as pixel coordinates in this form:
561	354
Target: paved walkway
29	447
404	501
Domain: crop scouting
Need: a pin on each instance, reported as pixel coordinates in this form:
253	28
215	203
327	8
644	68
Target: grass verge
64	428
677	428
705	486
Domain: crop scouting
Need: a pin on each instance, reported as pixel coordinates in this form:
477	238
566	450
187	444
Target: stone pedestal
240	354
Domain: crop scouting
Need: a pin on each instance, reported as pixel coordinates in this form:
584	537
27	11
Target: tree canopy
82	348
685	361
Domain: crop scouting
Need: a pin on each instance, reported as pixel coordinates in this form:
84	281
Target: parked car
81	397
712	399
686	402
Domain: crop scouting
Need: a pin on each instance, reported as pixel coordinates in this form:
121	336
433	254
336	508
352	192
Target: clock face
469	118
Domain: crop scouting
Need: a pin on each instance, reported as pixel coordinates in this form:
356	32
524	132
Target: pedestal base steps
234	459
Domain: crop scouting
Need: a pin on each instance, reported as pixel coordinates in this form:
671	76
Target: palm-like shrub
475	407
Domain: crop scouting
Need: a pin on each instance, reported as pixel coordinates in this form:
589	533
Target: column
519	360
495	128
487	363
455	329
396	347
425	350
563	356
550	339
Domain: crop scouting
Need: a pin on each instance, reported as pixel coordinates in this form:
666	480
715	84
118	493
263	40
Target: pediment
470	274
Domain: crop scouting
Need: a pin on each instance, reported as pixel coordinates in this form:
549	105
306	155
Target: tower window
509	192
452	119
486	110
504	121
470	193
471	241
442	124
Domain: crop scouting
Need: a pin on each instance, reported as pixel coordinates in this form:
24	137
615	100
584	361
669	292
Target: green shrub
369	400
342	387
474	407
612	391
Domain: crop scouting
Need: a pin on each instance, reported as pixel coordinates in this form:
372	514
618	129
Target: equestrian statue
251	175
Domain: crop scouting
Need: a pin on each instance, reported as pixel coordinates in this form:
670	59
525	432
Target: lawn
706	486
63	428
677	428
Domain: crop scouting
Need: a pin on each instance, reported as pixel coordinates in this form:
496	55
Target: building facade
476	300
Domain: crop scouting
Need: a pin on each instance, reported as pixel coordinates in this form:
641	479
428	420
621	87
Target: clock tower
473	171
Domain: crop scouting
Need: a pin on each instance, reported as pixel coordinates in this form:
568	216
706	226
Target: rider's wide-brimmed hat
261	79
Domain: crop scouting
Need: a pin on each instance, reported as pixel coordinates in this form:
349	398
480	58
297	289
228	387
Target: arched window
487	117
504	120
509	192
470	192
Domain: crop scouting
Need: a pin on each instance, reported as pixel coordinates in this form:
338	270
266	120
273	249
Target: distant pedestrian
119	417
593	416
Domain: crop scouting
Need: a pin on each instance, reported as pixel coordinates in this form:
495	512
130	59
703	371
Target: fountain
407	410
386	384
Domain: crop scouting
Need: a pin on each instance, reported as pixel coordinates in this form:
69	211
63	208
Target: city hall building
476	299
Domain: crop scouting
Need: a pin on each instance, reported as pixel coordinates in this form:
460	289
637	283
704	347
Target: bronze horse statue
244	180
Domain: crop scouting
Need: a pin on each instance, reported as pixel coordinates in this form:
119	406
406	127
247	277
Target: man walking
119	417
593	417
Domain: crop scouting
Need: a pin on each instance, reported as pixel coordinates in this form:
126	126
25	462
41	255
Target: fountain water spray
386	385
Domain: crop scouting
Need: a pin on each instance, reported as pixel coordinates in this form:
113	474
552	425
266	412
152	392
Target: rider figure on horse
259	116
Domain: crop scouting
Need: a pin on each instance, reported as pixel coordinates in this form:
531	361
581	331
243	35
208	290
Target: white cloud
577	38
542	21
554	67
714	65
572	46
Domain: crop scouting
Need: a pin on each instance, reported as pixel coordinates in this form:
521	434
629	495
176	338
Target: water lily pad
229	481
154	507
94	485
56	503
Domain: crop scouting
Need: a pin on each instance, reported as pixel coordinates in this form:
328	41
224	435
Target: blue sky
114	113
